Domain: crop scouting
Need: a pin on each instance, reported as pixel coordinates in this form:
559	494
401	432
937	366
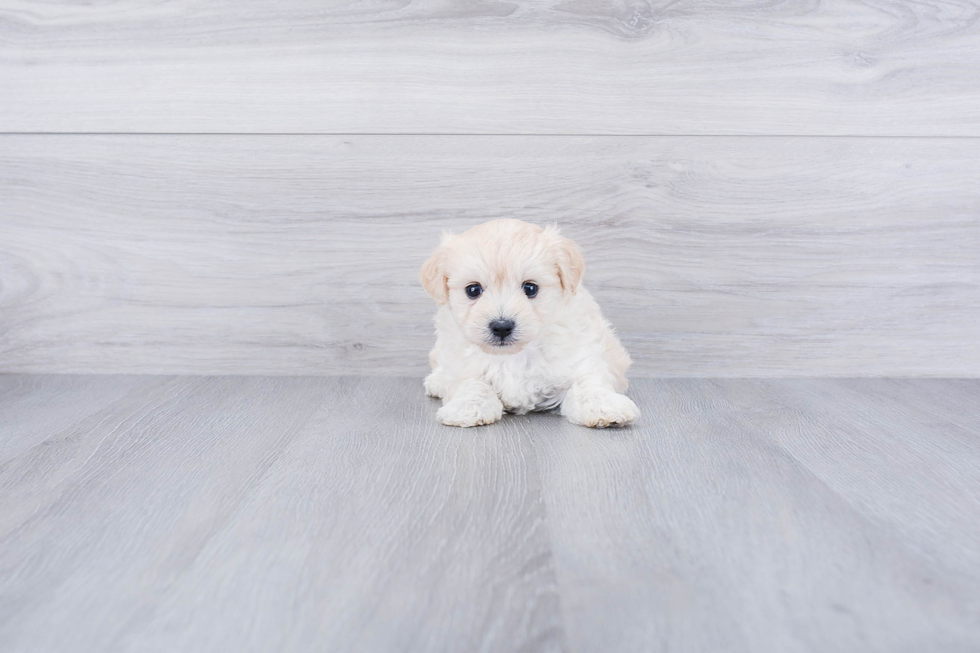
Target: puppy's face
502	280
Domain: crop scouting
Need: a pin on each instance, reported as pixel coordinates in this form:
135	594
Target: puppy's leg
437	384
598	406
472	403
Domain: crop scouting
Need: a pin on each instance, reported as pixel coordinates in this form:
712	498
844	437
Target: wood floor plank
949	404
913	467
298	514
845	68
705	528
299	255
103	516
286	514
34	408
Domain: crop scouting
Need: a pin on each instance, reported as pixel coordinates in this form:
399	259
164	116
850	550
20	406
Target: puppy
516	331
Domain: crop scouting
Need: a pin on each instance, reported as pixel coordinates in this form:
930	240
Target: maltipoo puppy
516	331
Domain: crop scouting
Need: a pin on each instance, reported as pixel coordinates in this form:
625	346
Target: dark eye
474	290
530	289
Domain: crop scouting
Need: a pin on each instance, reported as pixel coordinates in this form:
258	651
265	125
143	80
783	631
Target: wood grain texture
302	514
288	255
256	514
33	407
789	515
872	67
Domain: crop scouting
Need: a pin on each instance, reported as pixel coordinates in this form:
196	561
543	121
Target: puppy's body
557	351
577	343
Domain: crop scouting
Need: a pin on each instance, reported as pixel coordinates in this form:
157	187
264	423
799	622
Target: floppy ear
433	275
571	263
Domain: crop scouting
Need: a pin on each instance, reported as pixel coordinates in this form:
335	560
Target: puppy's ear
433	274
571	263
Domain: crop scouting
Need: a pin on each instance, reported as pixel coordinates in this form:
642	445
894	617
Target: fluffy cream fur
561	353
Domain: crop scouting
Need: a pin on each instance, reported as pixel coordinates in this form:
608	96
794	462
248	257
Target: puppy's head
502	280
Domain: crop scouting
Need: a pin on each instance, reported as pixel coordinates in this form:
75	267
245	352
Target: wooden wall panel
298	255
866	67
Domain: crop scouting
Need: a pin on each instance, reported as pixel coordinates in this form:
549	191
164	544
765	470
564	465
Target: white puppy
516	331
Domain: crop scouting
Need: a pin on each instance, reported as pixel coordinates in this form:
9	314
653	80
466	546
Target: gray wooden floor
144	513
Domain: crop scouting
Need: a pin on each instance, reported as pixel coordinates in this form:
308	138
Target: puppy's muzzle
501	329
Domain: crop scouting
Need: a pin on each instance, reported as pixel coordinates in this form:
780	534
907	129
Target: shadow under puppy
516	331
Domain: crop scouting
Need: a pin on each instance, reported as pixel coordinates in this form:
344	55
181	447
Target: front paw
601	409
435	385
471	412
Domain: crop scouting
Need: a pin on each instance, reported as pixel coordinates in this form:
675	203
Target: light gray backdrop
787	189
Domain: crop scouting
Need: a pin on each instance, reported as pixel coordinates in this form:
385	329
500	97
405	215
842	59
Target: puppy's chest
526	382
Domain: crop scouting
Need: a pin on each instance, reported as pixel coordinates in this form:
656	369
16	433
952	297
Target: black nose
502	328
